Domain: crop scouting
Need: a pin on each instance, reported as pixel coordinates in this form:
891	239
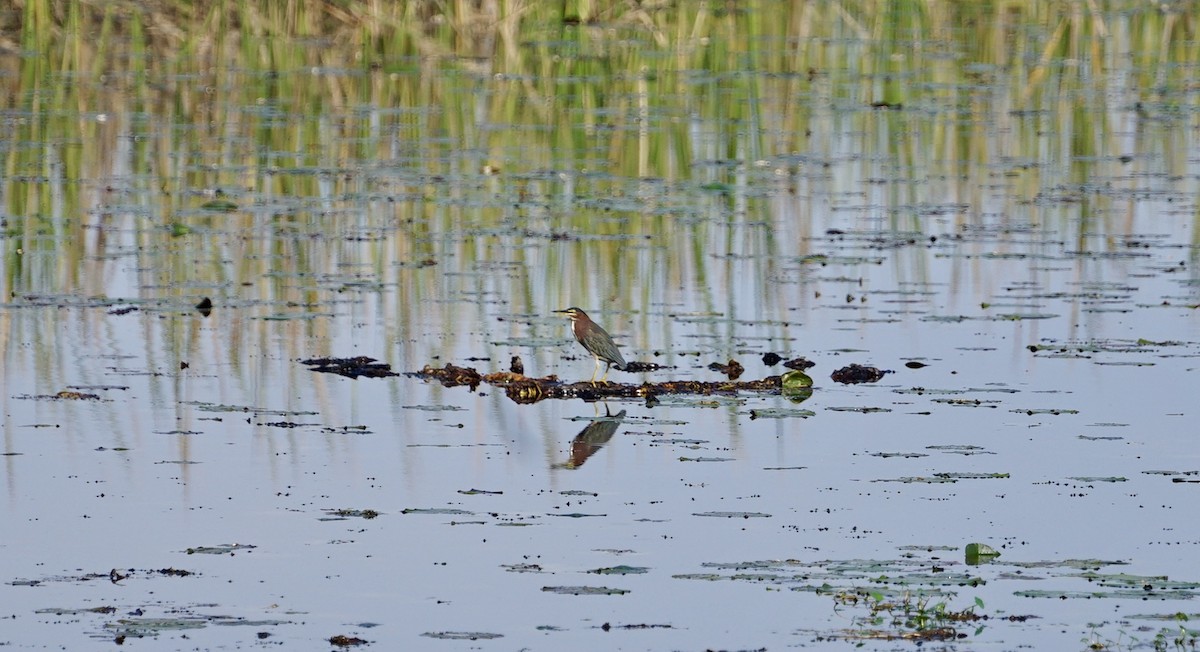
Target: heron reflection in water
592	438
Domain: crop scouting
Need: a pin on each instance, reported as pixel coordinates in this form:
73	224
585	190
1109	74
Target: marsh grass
589	108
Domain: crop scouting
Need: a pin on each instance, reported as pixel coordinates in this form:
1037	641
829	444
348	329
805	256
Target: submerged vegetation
909	617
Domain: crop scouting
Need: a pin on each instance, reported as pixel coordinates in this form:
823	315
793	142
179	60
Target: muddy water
182	476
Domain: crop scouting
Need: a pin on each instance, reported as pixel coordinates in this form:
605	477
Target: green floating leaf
1125	594
351	513
1177	616
927	548
961	449
797	387
71	611
1024	316
977	550
733	514
214	407
219	206
436	510
584	590
928	391
1144	582
706	459
462	636
139	627
711	577
781	413
760	577
824	259
522	568
1079	564
931	579
1089	478
967	402
226	549
704	318
529	342
621	570
796	379
756	564
917	480
293	316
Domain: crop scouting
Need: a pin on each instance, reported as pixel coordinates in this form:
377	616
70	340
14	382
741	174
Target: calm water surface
1050	288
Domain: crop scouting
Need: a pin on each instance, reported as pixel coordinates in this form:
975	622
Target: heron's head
574	314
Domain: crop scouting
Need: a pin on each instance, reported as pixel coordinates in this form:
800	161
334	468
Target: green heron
596	340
